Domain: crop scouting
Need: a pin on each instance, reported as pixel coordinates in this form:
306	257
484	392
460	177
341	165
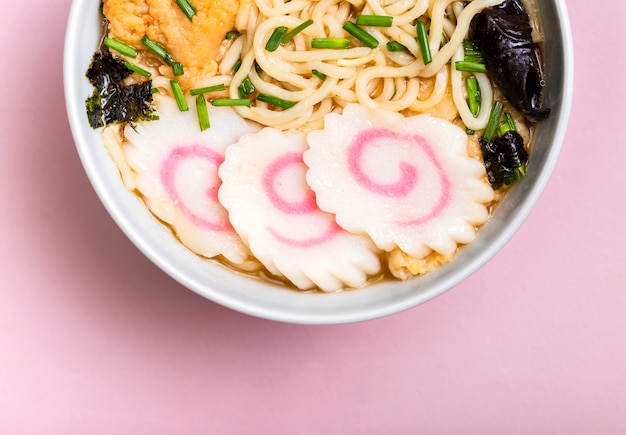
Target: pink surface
95	339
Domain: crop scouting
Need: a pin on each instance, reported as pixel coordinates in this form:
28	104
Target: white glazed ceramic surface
250	296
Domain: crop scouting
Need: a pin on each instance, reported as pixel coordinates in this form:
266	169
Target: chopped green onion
360	34
467	44
177	69
494	119
471	67
469	131
120	47
395	46
199	91
374	20
232	102
275	101
320	75
237	65
444	40
158	49
246	87
422	39
154	90
509	120
203	113
520	172
507	125
179	96
232	34
473	56
341	43
187	8
503	128
473	94
293	32
277	36
137	69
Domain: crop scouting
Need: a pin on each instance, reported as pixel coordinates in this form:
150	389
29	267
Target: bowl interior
256	298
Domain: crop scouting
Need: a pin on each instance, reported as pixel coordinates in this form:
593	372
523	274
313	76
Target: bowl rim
522	211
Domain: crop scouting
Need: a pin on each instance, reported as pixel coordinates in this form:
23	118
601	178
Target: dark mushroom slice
504	37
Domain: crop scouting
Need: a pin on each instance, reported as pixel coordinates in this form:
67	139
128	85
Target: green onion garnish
473	94
473	56
137	69
199	91
494	119
293	32
467	44
469	131
422	39
444	40
237	65
320	75
203	113
232	102
394	46
154	90
507	125
120	47
232	34
330	43
471	67
179	96
177	69
158	49
187	8
275	38
374	20
275	101
360	34
509	120
246	87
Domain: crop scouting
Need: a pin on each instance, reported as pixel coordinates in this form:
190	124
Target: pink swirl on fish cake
306	206
169	171
409	175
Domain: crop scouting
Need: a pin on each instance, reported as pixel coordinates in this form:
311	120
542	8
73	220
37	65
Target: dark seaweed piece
505	158
503	35
113	101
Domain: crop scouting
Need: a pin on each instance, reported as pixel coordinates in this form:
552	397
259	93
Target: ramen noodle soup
321	145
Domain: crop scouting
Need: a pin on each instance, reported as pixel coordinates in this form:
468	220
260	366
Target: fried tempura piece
403	266
195	42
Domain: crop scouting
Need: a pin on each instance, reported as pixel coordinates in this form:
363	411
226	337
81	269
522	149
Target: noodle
316	82
373	77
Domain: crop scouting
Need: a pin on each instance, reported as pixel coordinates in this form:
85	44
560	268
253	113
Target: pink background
95	339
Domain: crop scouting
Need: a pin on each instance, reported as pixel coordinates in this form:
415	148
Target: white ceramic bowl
263	300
